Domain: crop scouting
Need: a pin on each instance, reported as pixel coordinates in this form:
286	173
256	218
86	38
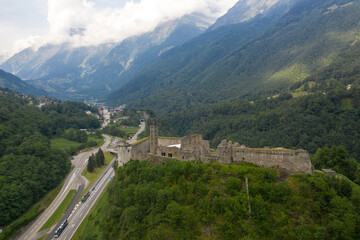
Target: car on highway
85	197
59	231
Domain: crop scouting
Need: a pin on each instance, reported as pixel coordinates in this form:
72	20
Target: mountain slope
310	36
80	73
309	122
14	83
136	53
245	10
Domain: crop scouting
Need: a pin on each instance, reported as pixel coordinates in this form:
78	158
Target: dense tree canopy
28	167
187	200
96	160
337	158
309	122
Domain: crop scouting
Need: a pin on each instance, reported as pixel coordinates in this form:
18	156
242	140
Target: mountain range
257	49
263	56
90	72
7	80
93	72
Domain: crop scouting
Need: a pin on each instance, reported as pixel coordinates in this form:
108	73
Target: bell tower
154	134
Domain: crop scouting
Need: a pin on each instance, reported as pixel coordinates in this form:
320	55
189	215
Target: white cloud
8	43
105	24
39	22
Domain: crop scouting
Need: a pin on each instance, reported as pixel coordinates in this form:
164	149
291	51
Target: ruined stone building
194	148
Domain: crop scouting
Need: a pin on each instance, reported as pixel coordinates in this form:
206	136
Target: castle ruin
194	148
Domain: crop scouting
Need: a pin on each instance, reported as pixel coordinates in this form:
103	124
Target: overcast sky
25	23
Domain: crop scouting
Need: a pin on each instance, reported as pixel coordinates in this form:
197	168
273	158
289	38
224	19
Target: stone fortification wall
293	161
124	153
190	156
194	142
159	158
194	148
164	142
225	152
174	151
139	150
154	136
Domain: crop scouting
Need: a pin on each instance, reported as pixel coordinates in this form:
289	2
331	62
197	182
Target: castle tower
124	153
225	151
154	134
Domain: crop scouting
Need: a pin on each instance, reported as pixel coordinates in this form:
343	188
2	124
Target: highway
73	181
81	210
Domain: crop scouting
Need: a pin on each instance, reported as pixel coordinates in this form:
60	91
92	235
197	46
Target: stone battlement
194	148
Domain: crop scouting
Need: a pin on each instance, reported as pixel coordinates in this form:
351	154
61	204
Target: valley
233	119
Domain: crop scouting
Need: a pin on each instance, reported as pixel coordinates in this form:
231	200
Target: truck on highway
59	231
85	197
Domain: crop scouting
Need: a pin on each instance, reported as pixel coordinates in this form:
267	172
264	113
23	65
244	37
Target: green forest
308	122
29	168
115	128
14	83
189	200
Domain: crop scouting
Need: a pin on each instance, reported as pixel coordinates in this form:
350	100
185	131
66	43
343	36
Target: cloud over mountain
97	24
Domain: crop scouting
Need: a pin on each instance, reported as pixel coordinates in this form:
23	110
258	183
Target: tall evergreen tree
102	157
98	159
91	163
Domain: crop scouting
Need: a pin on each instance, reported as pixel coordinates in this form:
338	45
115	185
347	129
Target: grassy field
59	211
62	143
92	177
131	130
100	141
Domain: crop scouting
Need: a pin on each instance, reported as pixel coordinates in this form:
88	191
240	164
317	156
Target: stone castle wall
164	142
293	161
139	151
174	151
194	142
154	137
124	154
194	148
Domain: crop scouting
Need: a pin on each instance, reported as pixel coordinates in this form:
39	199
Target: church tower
154	134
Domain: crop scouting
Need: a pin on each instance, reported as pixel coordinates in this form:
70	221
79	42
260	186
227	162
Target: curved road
73	181
81	210
134	138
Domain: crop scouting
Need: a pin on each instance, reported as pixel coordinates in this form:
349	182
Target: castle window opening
170	154
163	154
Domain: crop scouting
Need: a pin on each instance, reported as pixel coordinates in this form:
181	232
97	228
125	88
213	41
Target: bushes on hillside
187	200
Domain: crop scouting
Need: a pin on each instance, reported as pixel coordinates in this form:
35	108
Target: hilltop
188	200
